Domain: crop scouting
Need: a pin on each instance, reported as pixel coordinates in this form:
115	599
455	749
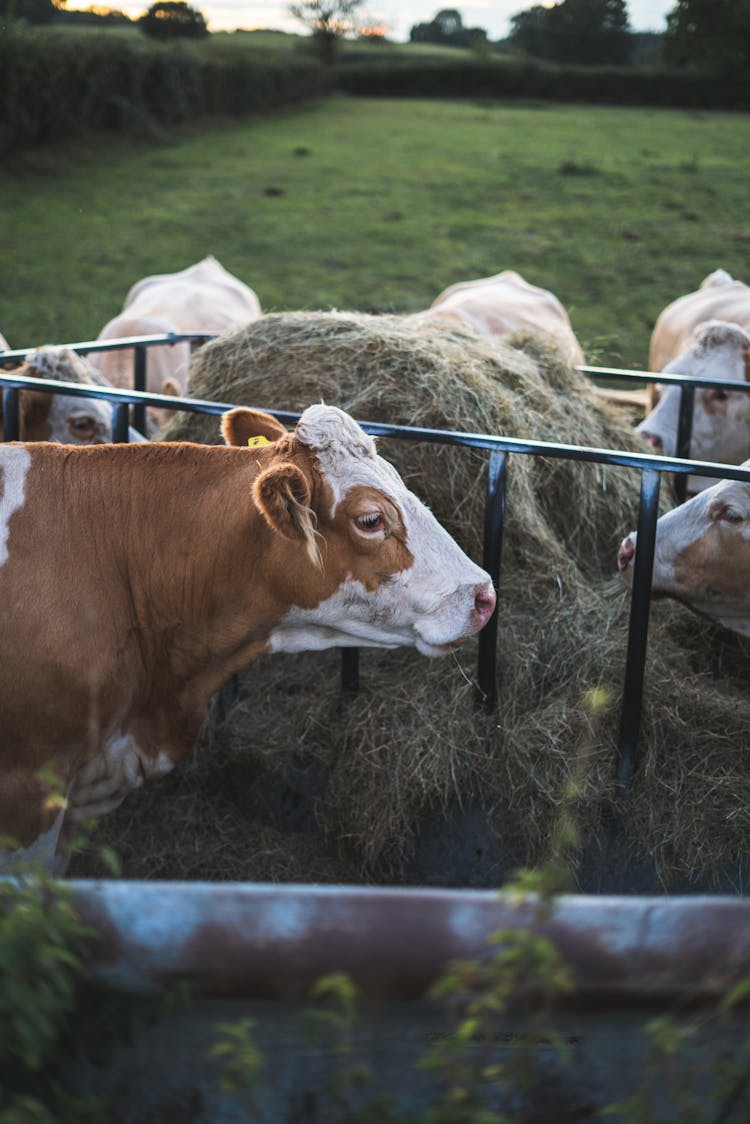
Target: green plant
40	964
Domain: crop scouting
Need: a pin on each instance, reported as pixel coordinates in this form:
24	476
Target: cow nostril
484	601
653	440
624	554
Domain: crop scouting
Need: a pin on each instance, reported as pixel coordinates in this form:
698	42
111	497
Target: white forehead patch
14	465
346	454
58	363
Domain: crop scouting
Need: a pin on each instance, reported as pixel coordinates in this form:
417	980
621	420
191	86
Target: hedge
54	85
517	78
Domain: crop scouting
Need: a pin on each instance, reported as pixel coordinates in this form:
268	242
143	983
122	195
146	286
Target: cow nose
625	554
653	440
484	602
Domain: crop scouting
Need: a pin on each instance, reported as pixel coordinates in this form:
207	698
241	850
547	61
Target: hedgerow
525	78
54	85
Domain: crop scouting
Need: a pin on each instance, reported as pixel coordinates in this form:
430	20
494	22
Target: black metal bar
349	676
491	442
139	384
494	519
684	435
11	414
635	663
120	423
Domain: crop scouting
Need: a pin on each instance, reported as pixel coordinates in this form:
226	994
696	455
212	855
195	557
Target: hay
413	743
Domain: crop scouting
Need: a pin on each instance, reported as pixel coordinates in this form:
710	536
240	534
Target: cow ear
240	425
282	495
171	386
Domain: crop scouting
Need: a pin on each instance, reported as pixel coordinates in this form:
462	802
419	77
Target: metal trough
256	950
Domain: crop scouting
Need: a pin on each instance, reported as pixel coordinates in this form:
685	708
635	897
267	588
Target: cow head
371	565
58	417
721	418
702	554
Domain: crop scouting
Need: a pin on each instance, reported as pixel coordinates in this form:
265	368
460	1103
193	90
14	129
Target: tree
329	21
574	31
32	11
173	19
447	28
713	34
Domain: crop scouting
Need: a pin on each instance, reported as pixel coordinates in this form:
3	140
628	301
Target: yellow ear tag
254	441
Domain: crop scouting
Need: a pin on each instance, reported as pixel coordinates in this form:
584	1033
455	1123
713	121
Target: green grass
377	205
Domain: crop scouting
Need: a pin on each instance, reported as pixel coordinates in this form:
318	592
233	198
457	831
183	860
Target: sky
398	15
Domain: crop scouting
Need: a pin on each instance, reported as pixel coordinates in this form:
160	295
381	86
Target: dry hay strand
413	743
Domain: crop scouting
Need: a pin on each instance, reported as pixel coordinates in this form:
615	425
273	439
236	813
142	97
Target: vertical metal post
11	418
494	516
640	604
684	435
139	383
349	676
120	422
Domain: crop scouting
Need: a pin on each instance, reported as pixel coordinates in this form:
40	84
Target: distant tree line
706	34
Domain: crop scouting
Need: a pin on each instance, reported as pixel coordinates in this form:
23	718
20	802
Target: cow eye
720	395
81	425
729	515
371	522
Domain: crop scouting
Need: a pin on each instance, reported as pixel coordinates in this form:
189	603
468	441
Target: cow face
721	418
59	417
371	566
702	554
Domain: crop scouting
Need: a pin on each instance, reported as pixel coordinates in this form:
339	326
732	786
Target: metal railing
499	448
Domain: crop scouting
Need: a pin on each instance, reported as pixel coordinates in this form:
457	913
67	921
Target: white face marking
15	462
429	604
79	421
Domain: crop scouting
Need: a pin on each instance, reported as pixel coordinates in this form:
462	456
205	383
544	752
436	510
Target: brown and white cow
506	303
702	554
721	418
205	297
60	417
135	579
719	297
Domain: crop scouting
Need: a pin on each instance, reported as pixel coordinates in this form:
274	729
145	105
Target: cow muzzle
625	557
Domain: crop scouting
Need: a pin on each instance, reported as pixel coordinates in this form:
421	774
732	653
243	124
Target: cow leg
103	783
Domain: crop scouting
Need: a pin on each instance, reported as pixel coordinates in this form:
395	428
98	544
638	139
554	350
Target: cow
136	579
61	417
719	297
494	306
205	297
4	345
702	554
721	418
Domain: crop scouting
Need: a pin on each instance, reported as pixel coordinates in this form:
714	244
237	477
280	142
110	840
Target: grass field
378	204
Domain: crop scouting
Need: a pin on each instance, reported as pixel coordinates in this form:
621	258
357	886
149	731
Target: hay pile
413	743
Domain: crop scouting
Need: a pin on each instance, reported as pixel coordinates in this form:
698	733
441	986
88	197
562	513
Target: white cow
506	303
721	418
205	297
719	297
702	554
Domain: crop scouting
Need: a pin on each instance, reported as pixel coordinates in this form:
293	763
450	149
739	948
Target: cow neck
197	568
